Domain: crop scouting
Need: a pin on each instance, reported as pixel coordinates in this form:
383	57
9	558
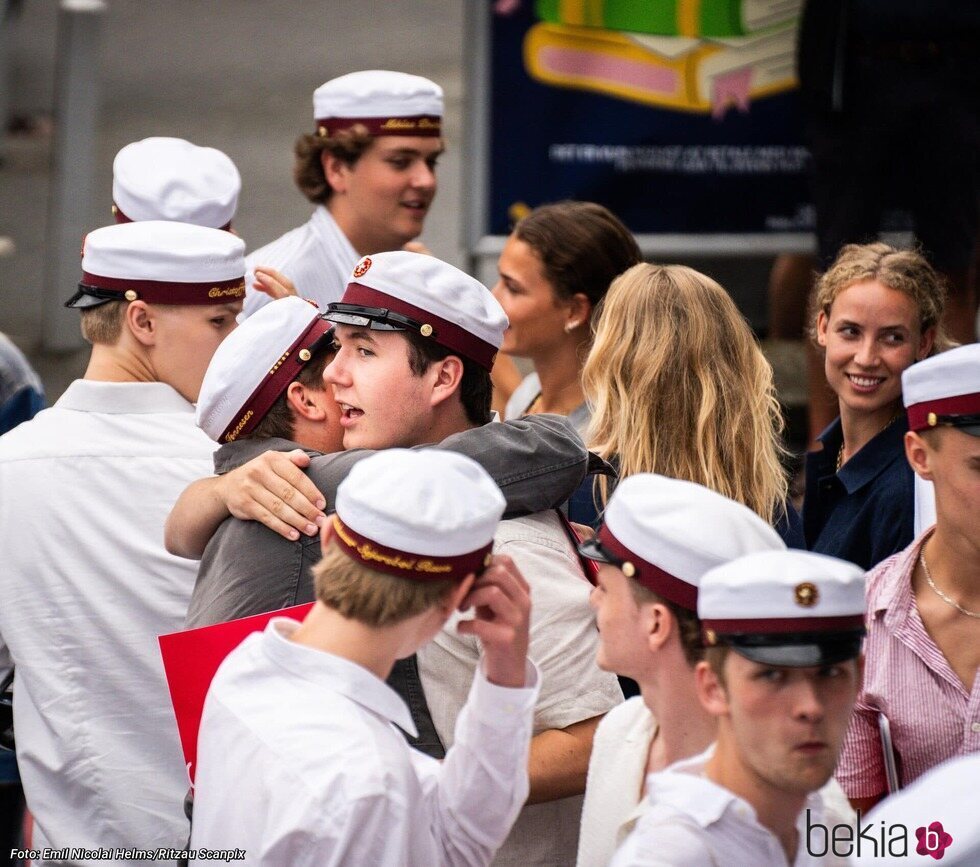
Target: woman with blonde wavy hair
679	386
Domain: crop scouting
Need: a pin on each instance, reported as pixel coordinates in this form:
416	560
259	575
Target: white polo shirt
300	763
692	822
316	256
86	587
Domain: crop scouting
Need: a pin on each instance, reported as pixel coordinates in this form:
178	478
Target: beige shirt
564	641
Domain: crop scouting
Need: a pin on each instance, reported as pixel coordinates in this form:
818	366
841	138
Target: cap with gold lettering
162	178
401	291
256	363
425	514
160	262
666	533
383	102
944	390
788	608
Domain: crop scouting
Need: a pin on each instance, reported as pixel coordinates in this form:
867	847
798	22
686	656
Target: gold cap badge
305	355
629	570
932	419
426	330
130	295
806	594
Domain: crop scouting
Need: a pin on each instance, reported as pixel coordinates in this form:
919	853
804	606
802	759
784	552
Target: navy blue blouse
866	512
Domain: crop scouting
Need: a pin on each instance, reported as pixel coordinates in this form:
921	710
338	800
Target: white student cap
385	103
256	363
944	390
666	533
425	514
163	178
790	608
939	812
399	291
160	262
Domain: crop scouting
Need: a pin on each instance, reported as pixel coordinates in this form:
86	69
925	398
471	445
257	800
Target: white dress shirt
691	821
316	256
299	763
85	589
564	641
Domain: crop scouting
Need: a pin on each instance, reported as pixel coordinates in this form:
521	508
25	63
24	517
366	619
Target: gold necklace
840	451
938	592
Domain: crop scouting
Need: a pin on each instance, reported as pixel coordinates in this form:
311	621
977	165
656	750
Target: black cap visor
374	318
90	296
802	650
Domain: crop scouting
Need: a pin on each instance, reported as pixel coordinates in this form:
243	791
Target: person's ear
335	171
918	454
447	376
822	321
306	402
710	690
456	594
141	320
926	342
658	625
579	311
326	534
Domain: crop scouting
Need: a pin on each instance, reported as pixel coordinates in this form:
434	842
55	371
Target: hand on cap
274	490
502	599
273	283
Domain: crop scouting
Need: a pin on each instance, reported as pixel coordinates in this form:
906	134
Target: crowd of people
595	631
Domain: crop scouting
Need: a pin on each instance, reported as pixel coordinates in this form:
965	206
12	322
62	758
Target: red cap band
784	625
418	125
283	372
122	218
167	292
961	404
652	577
415	567
444	333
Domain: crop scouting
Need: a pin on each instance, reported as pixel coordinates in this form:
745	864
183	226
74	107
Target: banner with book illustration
679	115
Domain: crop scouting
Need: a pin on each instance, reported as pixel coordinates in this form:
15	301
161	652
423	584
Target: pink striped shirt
907	678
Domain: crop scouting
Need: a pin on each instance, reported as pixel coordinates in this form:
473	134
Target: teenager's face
871	335
385	196
622	638
383	403
187	337
537	318
788	724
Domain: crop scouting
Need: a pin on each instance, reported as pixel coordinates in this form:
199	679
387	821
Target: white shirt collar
326	226
335	673
86	395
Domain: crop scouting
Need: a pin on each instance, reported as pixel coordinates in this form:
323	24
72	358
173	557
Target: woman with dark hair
554	271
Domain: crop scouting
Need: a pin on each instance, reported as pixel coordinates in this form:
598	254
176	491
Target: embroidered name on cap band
275	382
416	567
650	576
168	292
418	125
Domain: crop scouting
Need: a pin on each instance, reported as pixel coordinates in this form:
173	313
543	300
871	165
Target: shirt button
975	726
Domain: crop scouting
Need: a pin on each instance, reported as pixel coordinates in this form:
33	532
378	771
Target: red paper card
190	660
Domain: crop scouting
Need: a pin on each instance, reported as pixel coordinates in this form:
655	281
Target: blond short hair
103	323
680	387
374	598
906	271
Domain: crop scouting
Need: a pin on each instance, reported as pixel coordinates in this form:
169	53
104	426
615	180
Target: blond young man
87	586
783	630
330	781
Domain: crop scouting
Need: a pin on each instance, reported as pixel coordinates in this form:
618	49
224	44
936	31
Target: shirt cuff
493	701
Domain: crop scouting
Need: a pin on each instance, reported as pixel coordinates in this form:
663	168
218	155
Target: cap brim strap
929	413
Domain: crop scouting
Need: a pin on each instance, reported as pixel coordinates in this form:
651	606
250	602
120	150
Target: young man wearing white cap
659	536
369	167
923	647
87	586
416	340
163	178
783	632
264	390
332	782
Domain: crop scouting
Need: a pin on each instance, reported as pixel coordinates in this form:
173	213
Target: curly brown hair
906	271
347	145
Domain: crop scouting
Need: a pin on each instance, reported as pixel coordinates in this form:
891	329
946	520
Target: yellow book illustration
680	73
